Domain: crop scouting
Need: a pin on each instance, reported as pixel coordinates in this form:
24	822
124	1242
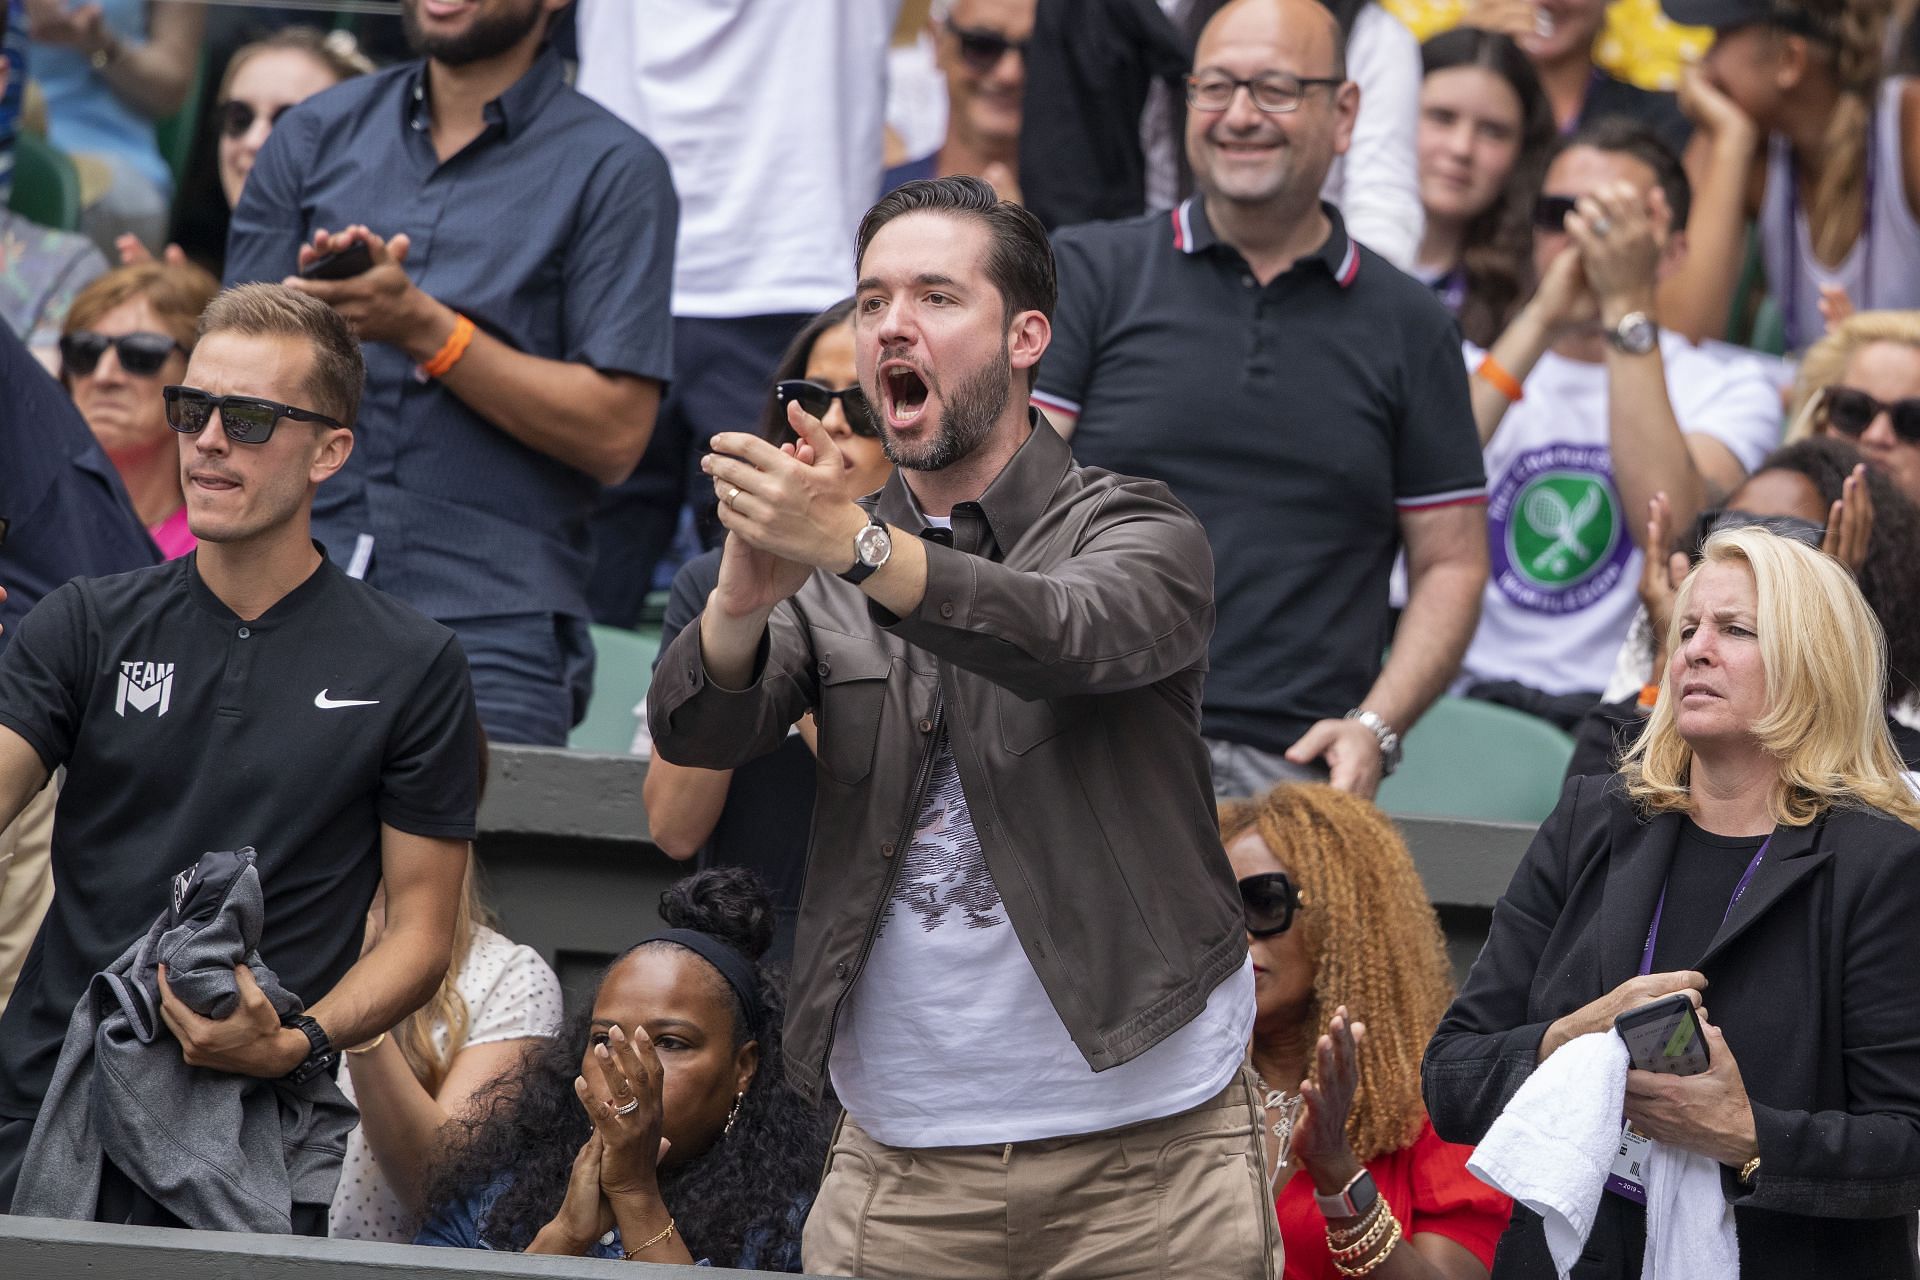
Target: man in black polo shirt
247	694
517	327
1301	396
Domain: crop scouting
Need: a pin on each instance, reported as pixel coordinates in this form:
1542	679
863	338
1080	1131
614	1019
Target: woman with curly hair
659	1125
1485	128
1343	938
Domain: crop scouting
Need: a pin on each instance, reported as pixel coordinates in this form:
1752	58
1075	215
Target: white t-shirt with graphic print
511	994
1565	572
948	1038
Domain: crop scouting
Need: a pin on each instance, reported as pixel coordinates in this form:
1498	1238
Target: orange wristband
1499	379
456	346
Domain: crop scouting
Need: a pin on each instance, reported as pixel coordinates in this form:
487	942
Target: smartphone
348	262
1664	1036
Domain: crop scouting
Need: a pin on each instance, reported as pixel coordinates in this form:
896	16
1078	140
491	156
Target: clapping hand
1320	1135
1661	572
621	1092
1850	522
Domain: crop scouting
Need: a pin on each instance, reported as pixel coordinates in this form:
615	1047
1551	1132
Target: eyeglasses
1269	901
141	354
1851	412
237	117
246	419
981	48
816	400
1550	212
1275	93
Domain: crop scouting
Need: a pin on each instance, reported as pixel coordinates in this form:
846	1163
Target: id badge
1628	1177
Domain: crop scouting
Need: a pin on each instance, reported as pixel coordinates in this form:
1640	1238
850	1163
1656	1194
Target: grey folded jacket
222	1152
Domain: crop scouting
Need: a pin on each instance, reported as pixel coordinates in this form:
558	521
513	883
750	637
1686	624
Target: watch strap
1352	1200
320	1052
861	570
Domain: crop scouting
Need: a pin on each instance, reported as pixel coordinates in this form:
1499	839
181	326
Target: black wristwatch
321	1056
872	548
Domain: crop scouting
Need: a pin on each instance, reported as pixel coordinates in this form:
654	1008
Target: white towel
1551	1147
1689	1222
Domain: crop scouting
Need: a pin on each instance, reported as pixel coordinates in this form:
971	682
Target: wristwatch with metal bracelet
1389	738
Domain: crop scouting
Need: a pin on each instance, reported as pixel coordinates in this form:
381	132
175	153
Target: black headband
732	964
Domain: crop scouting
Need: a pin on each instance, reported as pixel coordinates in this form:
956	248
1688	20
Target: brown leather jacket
1063	641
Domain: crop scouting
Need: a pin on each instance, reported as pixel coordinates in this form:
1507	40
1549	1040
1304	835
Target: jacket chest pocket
853	694
1025	724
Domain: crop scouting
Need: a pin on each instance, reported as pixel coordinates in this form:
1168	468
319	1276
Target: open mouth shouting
903	394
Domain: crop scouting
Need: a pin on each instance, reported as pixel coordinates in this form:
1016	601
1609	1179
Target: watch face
1636	334
873	546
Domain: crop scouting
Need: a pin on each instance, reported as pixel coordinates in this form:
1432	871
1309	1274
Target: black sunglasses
1851	412
1550	212
141	354
981	49
246	419
237	117
1269	901
816	400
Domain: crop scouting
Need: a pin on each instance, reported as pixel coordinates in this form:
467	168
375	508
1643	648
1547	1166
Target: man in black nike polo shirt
247	694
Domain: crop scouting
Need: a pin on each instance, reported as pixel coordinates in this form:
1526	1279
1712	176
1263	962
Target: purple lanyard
1791	318
1653	932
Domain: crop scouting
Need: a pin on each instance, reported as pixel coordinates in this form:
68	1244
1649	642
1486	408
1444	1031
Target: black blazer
1814	977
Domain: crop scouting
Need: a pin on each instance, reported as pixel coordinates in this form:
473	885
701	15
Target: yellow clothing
1638	44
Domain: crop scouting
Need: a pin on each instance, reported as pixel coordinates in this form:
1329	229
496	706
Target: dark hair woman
1485	128
659	1125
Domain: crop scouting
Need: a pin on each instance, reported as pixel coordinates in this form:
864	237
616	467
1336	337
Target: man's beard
488	37
966	419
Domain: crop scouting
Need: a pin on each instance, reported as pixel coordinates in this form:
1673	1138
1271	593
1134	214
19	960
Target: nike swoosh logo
322	701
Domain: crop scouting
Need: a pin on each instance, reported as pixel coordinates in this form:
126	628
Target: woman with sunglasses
1350	978
262	81
756	816
127	335
1862	383
1485	128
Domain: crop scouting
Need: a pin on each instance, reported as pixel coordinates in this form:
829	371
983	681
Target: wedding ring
629	1109
733	494
1600	227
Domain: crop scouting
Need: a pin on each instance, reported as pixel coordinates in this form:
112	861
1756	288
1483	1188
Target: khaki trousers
1185	1196
26	882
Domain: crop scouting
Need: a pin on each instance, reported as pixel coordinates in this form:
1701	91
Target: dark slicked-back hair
1020	263
275	311
1626	137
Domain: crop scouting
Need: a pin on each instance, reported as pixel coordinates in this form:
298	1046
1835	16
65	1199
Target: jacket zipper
921	781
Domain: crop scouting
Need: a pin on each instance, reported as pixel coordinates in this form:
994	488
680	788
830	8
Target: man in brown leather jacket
1022	957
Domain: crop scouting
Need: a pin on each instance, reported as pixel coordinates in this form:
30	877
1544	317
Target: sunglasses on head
245	419
1269	901
1851	412
237	117
1550	212
981	49
815	400
141	354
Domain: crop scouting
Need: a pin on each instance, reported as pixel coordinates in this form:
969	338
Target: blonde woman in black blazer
1766	816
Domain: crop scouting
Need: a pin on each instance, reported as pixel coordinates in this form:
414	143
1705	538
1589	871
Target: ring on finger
1601	225
733	494
627	1110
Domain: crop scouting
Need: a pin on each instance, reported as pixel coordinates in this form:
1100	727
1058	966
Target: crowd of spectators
1063	448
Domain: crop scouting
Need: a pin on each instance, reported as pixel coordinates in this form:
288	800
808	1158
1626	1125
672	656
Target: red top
1429	1190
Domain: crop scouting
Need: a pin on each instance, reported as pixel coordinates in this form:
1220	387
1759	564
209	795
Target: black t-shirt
765	823
185	729
1706	868
1298	420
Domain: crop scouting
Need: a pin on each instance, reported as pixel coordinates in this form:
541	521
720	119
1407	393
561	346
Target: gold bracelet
369	1046
1360	1247
665	1231
1748	1169
1341	1237
1386	1251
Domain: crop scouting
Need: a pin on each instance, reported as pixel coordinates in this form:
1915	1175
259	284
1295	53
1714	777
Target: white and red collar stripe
1183	225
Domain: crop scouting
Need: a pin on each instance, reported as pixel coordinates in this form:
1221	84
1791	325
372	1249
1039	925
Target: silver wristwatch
1636	334
872	547
1389	739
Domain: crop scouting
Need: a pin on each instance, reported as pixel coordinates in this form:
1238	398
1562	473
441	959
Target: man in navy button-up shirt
487	191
